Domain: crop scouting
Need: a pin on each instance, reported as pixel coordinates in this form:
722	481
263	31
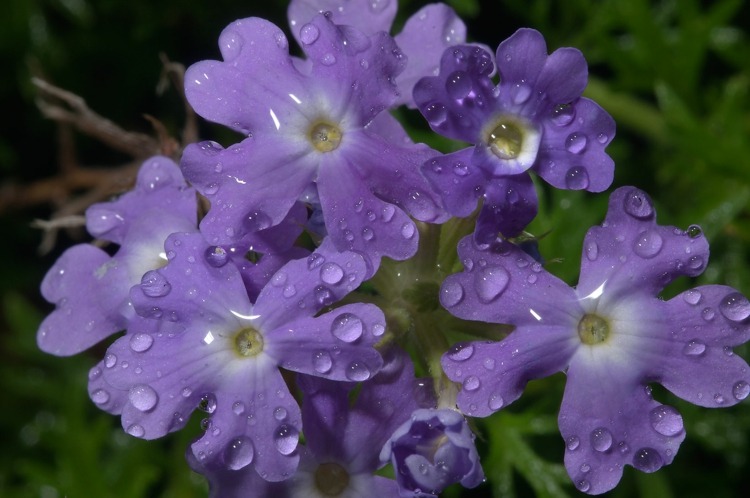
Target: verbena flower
535	118
88	286
342	441
307	138
433	449
211	347
612	335
424	37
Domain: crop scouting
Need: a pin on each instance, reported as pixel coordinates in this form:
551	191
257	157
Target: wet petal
510	203
367	16
456	180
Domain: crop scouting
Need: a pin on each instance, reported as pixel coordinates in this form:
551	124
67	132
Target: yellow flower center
331	479
248	342
593	329
506	139
325	137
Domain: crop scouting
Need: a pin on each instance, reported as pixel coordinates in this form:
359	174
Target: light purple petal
303	287
572	153
521	57
503	284
609	420
367	16
425	36
251	186
337	345
563	76
494	374
630	253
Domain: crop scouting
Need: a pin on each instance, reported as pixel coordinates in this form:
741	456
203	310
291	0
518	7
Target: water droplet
708	314
216	256
141	342
692	296
407	230
623	447
647	460
347	327
239	453
279	413
323	295
648	244
458	85
256	221
585	468
577	178
231	45
741	390
100	396
110	360
315	260
289	291
583	485
378	329
368	234
322	362
694	348
94	373
461	352
309	34
694	231
100	221
576	143
136	430
602	138
592	250
211	189
735	307
388	211
471	383
601	439
666	421
520	93
286	438
496	402
238	407
328	59
357	372
719	399
572	443
435	114
143	397
281	40
451	293
207	403
563	114
490	282
331	273
638	205
489	363
153	284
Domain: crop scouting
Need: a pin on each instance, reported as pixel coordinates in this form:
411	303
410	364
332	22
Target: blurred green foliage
675	75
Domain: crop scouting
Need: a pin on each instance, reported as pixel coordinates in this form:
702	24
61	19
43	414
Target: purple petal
630	253
423	40
458	101
389	128
159	185
700	365
336	345
494	374
572	153
303	287
456	180
252	48
503	284
325	414
563	76
521	57
251	186
510	203
608	420
367	16
84	312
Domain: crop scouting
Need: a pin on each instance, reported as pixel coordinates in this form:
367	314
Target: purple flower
210	347
433	449
89	287
342	441
423	39
308	138
534	119
612	335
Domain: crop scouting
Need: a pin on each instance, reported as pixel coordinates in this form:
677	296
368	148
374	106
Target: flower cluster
276	314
